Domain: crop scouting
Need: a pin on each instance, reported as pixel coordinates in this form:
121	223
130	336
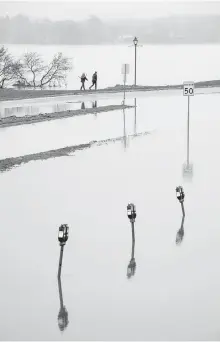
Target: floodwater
25	107
174	294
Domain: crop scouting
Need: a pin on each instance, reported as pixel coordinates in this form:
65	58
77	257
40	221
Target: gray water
174	294
10	108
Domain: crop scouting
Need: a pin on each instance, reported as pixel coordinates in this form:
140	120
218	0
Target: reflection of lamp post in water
63	313
131	212
180	233
94	105
125	72
135	116
124	134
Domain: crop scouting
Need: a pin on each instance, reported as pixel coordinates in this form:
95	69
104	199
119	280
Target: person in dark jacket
83	79
94	80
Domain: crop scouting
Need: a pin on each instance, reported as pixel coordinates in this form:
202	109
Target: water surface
174	294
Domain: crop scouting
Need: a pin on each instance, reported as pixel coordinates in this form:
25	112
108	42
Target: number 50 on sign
188	89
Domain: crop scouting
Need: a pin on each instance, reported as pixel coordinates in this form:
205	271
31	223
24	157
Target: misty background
81	23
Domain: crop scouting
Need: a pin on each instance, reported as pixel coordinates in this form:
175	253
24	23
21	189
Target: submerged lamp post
135	41
63	235
180	196
131	212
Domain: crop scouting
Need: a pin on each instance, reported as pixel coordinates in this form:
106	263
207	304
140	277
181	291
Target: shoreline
32	119
10	94
8	164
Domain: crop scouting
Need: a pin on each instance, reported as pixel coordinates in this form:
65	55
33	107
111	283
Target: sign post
125	72
188	90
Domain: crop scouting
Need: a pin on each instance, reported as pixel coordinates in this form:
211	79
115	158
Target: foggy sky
79	10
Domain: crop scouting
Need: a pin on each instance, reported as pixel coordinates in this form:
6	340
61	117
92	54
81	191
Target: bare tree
56	70
32	64
37	74
8	67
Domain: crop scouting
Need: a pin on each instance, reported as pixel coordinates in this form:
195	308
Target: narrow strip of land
31	119
9	163
14	94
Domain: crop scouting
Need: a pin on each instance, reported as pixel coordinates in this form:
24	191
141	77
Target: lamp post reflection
180	233
124	134
94	105
135	116
63	313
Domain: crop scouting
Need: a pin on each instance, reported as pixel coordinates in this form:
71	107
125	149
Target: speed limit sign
188	89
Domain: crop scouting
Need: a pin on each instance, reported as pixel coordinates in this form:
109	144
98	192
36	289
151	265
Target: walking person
94	80
83	79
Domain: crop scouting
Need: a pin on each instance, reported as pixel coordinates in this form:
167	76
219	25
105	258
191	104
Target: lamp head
180	194
63	233
131	211
135	41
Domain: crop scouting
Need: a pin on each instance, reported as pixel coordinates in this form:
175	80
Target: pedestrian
94	80
83	79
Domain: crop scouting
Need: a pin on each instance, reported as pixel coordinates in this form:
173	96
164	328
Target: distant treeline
169	30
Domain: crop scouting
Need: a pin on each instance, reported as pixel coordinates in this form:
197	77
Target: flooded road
174	294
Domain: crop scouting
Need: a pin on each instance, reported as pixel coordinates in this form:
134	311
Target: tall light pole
135	41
